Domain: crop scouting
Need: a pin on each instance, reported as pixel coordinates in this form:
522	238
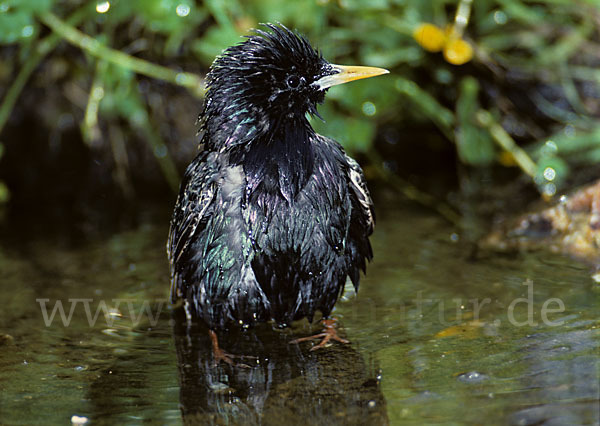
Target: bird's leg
220	355
329	333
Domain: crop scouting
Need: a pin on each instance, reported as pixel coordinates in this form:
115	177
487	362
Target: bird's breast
310	219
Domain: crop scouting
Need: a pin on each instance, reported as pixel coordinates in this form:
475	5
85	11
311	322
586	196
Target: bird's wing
360	190
192	210
362	221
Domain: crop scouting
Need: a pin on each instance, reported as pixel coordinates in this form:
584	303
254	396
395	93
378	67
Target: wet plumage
271	218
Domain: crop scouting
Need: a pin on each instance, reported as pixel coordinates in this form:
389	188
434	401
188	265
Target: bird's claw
329	333
220	355
327	338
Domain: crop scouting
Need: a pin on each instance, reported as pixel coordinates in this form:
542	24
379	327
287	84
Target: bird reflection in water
282	384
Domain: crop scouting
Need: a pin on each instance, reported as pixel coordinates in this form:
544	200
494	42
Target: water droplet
549	148
500	17
549	173
472	377
27	31
102	7
369	109
79	420
4	7
549	189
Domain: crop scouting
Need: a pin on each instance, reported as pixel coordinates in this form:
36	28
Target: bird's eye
293	81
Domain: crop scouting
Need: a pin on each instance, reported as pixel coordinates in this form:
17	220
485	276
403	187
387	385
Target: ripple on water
472	377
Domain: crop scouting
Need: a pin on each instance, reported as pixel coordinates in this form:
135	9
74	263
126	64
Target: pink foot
329	333
220	355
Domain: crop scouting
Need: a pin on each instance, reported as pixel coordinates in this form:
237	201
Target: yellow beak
347	73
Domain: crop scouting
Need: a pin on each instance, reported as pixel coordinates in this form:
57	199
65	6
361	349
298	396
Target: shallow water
441	333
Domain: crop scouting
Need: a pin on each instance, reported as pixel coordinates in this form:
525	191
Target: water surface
441	333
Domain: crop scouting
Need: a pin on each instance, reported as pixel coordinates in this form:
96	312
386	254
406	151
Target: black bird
271	218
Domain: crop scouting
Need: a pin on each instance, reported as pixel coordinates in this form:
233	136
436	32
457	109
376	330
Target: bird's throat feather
281	162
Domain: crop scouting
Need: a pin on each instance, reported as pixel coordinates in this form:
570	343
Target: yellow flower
430	37
434	39
457	51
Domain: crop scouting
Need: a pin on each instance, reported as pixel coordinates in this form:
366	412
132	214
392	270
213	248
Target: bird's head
273	75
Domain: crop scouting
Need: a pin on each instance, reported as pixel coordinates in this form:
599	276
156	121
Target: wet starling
271	218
